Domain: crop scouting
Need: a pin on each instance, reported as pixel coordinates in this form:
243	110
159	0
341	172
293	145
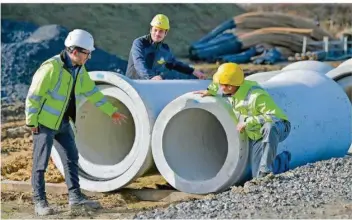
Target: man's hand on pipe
241	127
199	74
118	118
158	77
202	93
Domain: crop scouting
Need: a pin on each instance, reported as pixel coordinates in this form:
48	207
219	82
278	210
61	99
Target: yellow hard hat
160	21
230	74
216	77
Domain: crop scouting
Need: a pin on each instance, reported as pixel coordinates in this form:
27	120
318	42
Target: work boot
287	161
42	208
263	171
78	199
263	174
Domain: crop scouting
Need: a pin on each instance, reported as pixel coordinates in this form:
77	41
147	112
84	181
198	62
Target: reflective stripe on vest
55	93
31	110
260	117
101	102
246	103
246	100
35	97
51	110
91	92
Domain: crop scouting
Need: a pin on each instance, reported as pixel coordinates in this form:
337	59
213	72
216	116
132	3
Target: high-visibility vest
253	106
50	91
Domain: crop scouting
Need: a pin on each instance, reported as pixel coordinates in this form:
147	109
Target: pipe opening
195	144
107	143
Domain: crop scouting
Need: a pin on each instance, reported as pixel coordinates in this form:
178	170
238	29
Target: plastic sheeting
243	57
223	44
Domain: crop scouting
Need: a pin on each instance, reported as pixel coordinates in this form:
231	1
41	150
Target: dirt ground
16	164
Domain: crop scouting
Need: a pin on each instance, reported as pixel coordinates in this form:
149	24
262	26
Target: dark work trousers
263	151
42	144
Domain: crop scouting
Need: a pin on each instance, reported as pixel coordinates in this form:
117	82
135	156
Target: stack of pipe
258	20
248	30
193	140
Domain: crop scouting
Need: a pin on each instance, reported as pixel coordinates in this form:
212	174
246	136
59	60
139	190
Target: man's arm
174	64
213	88
139	60
35	97
92	93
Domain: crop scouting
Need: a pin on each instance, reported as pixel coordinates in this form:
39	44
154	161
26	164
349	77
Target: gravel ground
318	190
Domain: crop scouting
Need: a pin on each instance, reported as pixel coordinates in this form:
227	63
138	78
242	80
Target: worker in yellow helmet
257	114
151	58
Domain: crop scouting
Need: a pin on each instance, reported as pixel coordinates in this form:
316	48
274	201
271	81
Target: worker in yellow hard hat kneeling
151	58
264	122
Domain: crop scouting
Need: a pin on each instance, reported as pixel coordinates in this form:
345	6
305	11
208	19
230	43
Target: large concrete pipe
346	63
112	156
313	65
343	76
197	149
263	76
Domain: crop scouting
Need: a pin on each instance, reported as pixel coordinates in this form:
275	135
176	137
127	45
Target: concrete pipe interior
106	151
195	152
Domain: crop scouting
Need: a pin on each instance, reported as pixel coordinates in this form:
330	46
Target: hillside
114	26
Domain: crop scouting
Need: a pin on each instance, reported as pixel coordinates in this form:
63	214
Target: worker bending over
50	103
264	122
151	58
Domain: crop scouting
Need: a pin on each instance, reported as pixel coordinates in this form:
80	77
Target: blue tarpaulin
227	44
243	57
270	57
229	24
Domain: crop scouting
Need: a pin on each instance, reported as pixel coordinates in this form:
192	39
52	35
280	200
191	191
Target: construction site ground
16	164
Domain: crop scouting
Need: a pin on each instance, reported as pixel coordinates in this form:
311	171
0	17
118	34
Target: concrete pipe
112	156
343	76
313	65
346	63
316	66
197	149
263	76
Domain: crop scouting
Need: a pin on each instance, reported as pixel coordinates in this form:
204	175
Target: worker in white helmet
151	58
50	104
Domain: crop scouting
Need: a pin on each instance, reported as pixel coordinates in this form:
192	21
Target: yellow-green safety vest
50	90
253	106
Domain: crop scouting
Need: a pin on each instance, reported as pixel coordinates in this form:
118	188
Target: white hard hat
80	38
